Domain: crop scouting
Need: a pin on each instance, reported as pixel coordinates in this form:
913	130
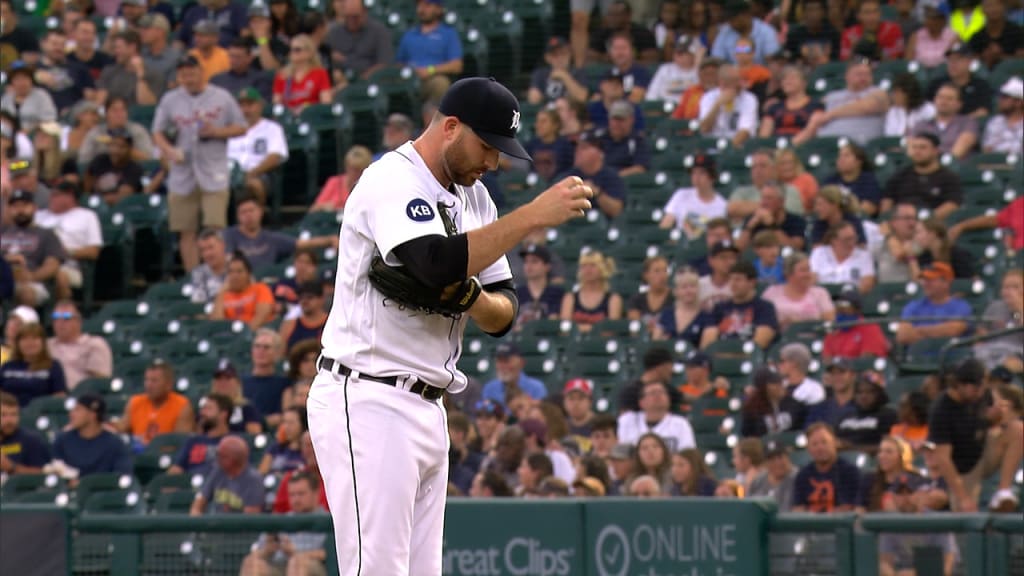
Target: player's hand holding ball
567	199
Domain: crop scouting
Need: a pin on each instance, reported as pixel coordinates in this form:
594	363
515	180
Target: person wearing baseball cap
699	384
674	77
86	446
1004	132
936	315
975	92
722	257
745	315
577	399
211	57
262	149
557	79
310	323
626	150
508	364
589	165
538	297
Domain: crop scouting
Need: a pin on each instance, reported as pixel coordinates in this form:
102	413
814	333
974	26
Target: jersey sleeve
398	207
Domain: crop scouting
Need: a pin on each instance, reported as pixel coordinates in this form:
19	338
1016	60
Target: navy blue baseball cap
490	109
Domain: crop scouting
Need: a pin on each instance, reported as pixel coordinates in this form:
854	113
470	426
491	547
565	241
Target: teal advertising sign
691	537
513	538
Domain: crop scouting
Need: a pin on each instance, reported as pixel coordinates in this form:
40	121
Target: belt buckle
425	391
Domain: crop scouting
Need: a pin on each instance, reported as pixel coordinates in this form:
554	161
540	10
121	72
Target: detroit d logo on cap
419	211
515	120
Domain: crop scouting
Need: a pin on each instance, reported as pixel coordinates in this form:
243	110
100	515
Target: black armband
436	260
506	288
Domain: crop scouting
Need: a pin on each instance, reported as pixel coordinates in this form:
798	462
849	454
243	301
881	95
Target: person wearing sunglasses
82	355
304	80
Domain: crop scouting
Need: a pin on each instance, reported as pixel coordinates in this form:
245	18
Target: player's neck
425	148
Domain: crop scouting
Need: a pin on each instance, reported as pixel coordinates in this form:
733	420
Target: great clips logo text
520	557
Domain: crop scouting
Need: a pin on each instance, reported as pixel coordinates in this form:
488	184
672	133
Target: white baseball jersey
259	141
673	429
396	200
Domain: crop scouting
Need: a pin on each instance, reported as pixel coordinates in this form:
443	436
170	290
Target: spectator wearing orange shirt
241	297
212	58
689	104
699	384
912	426
158	410
304	80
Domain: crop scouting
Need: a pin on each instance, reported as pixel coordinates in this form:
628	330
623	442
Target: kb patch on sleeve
419	211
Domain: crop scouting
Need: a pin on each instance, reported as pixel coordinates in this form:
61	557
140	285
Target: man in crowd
794	362
827	483
715	286
654	416
282	503
197	180
507	455
635	77
244	417
398	130
158	57
557	79
127	77
688	107
740	23
208	278
814	41
789	229
85	49
211	57
856	112
922	318
839	380
261	246
86	445
777	479
509	363
359	44
67	82
230	17
625	150
21	451
604	435
196	454
264	385
538	297
958	134
897	551
77	228
729	111
609	190
25	177
747	460
270	50
233	485
619	20
114	175
611	89
673	77
34	254
975	92
926	183
658	366
261	150
309	325
745	316
298	553
577	400
870	27
243	75
81	355
1005	131
431	48
158	409
896	258
745	200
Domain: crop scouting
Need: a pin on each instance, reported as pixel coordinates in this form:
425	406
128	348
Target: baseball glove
398	285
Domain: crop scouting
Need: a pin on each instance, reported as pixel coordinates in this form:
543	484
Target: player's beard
456	165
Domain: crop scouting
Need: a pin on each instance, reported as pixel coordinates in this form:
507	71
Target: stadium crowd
818	234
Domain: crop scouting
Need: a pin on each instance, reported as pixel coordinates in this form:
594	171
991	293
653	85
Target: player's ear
451	127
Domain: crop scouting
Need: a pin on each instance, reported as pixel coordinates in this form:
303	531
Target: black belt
420	388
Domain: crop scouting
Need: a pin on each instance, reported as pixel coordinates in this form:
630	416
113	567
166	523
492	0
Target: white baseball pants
383	455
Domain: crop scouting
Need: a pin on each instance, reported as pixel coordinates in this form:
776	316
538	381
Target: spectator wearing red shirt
854	341
1010	218
281	503
689	103
304	80
870	27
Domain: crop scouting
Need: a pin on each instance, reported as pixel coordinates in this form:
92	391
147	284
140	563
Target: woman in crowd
570	116
648	306
286	454
855	172
832	206
928	45
534	468
841	261
552	154
909	106
690	475
593	301
97	139
894	463
242	298
336	190
791	171
912	426
84	117
301	371
769	410
790	116
653	459
933	238
685	319
304	80
799	299
593	466
871	418
1002	314
31	373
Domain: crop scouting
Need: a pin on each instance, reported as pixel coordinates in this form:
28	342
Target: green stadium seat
99	386
46	414
173	503
55	497
99	483
115	502
301	171
18	485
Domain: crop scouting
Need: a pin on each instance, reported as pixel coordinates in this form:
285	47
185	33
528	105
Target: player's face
467	158
8	420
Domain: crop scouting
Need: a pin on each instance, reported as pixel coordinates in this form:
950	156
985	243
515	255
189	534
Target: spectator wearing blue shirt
635	77
609	190
508	363
432	48
31	371
231	18
557	79
923	318
745	316
827	483
855	172
740	23
21	451
87	446
264	386
769	259
625	150
538	297
612	90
